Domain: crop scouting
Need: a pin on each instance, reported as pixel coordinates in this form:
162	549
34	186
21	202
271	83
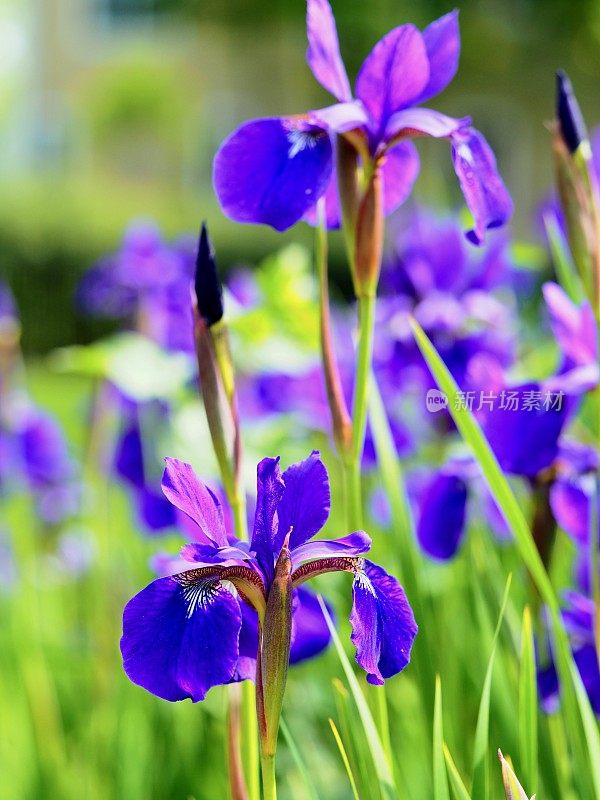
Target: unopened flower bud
209	292
568	113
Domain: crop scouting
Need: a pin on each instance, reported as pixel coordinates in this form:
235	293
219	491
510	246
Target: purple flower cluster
147	283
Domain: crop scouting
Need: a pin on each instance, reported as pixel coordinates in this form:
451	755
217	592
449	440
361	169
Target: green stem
366	324
250	740
267	764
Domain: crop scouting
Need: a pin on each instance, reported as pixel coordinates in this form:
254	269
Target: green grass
73	726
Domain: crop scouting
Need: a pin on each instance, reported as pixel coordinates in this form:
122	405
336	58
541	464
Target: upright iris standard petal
310	633
272	171
180	636
573	326
442	41
572	509
323	54
383	625
483	188
442	520
182	488
304	507
394	74
270	489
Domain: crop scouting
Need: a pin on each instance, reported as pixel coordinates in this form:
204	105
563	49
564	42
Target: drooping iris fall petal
272	171
485	193
180	637
383	625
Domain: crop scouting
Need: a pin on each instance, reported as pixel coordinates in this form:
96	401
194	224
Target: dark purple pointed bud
570	118
209	292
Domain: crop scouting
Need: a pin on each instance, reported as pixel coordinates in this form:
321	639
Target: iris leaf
440	778
382	767
528	702
579	717
481	787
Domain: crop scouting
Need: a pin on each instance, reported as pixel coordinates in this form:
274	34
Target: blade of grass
528	727
580	720
440	778
481	776
459	789
344	755
382	767
311	791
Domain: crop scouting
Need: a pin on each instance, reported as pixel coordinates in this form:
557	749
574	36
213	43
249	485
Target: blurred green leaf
440	778
382	768
528	704
481	786
458	787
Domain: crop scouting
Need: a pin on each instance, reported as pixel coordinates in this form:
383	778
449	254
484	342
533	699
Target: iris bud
209	292
568	113
275	651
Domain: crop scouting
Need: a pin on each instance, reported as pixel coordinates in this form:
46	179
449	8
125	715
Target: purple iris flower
274	170
579	620
147	282
34	450
133	464
443	505
8	309
199	628
525	425
572	501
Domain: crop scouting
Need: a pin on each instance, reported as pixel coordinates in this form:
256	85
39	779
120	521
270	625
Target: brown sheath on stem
369	236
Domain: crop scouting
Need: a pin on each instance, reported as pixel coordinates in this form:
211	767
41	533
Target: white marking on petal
299	141
361	578
198	593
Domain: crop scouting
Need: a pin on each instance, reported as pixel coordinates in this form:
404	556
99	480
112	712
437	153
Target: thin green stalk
267	764
360	403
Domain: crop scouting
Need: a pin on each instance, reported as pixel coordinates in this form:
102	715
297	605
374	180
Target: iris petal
270	488
394	74
442	40
310	633
271	171
483	188
180	637
323	54
185	491
383	625
304	507
355	544
443	511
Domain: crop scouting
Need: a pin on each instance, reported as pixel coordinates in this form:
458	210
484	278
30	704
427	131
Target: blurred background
113	109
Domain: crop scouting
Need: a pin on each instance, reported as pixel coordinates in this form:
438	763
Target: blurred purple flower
273	170
146	282
579	620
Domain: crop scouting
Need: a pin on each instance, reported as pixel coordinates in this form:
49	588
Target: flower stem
267	764
366	323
